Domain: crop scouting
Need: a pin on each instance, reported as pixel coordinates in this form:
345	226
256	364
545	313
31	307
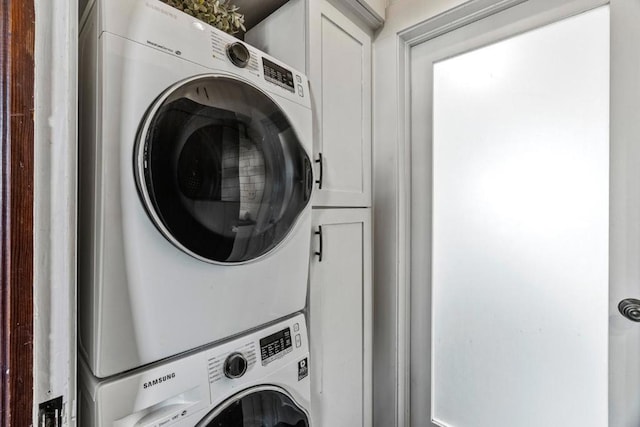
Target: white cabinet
340	318
339	69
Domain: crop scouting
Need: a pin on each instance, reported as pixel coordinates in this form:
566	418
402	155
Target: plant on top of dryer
219	13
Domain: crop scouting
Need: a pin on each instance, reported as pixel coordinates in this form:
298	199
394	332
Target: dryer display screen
275	345
279	75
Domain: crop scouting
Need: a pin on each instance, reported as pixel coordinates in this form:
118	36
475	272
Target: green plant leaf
221	14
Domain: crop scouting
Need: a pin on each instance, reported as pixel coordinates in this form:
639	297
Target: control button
300	91
296	327
235	366
298	78
238	54
298	340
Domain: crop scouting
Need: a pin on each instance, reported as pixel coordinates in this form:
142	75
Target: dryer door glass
221	170
259	408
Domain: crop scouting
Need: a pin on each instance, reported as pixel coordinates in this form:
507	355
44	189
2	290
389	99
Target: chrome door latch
630	308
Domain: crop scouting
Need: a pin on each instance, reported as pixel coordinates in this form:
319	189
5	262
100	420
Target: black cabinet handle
319	234
319	180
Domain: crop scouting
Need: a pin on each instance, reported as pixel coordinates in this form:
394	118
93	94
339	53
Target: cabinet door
340	75
340	318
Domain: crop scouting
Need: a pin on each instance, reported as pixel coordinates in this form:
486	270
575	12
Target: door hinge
50	413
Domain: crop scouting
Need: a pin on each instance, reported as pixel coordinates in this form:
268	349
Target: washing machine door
263	406
220	169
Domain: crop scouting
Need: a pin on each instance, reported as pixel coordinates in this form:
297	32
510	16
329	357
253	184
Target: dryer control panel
272	72
166	29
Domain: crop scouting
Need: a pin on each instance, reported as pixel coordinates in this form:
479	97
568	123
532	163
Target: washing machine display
275	345
220	170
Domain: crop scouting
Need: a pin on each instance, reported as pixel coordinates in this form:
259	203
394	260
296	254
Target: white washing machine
194	186
260	380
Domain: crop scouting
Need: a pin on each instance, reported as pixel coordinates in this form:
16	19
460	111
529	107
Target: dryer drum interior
220	170
265	406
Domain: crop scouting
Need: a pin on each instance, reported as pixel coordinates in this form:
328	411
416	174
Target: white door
526	227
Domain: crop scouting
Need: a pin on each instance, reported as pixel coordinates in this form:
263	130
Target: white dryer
194	186
260	380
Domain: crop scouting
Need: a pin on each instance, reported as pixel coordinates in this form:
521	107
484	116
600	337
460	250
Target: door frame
17	20
37	177
393	262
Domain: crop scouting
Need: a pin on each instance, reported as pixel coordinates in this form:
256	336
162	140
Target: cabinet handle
319	234
319	180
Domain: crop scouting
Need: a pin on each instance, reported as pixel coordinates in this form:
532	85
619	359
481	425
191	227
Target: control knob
238	54
235	366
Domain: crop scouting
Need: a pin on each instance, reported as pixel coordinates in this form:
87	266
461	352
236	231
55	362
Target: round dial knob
235	366
238	54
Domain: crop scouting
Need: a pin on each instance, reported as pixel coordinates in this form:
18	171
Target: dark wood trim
17	22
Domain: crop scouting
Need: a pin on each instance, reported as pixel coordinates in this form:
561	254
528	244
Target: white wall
391	367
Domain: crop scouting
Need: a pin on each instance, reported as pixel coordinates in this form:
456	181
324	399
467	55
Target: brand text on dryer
159	380
159	46
158	9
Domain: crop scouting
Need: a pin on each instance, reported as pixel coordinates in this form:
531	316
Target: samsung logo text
159	380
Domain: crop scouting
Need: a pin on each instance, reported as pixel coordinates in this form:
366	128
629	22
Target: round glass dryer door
266	406
220	169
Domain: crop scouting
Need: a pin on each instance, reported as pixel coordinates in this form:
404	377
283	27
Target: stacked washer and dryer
194	225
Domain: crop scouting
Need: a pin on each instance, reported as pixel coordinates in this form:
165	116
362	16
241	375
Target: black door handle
319	234
319	180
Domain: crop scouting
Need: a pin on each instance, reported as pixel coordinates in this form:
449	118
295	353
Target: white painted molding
453	19
55	205
363	11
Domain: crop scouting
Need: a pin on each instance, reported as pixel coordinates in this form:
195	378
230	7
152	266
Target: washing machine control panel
179	392
275	346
